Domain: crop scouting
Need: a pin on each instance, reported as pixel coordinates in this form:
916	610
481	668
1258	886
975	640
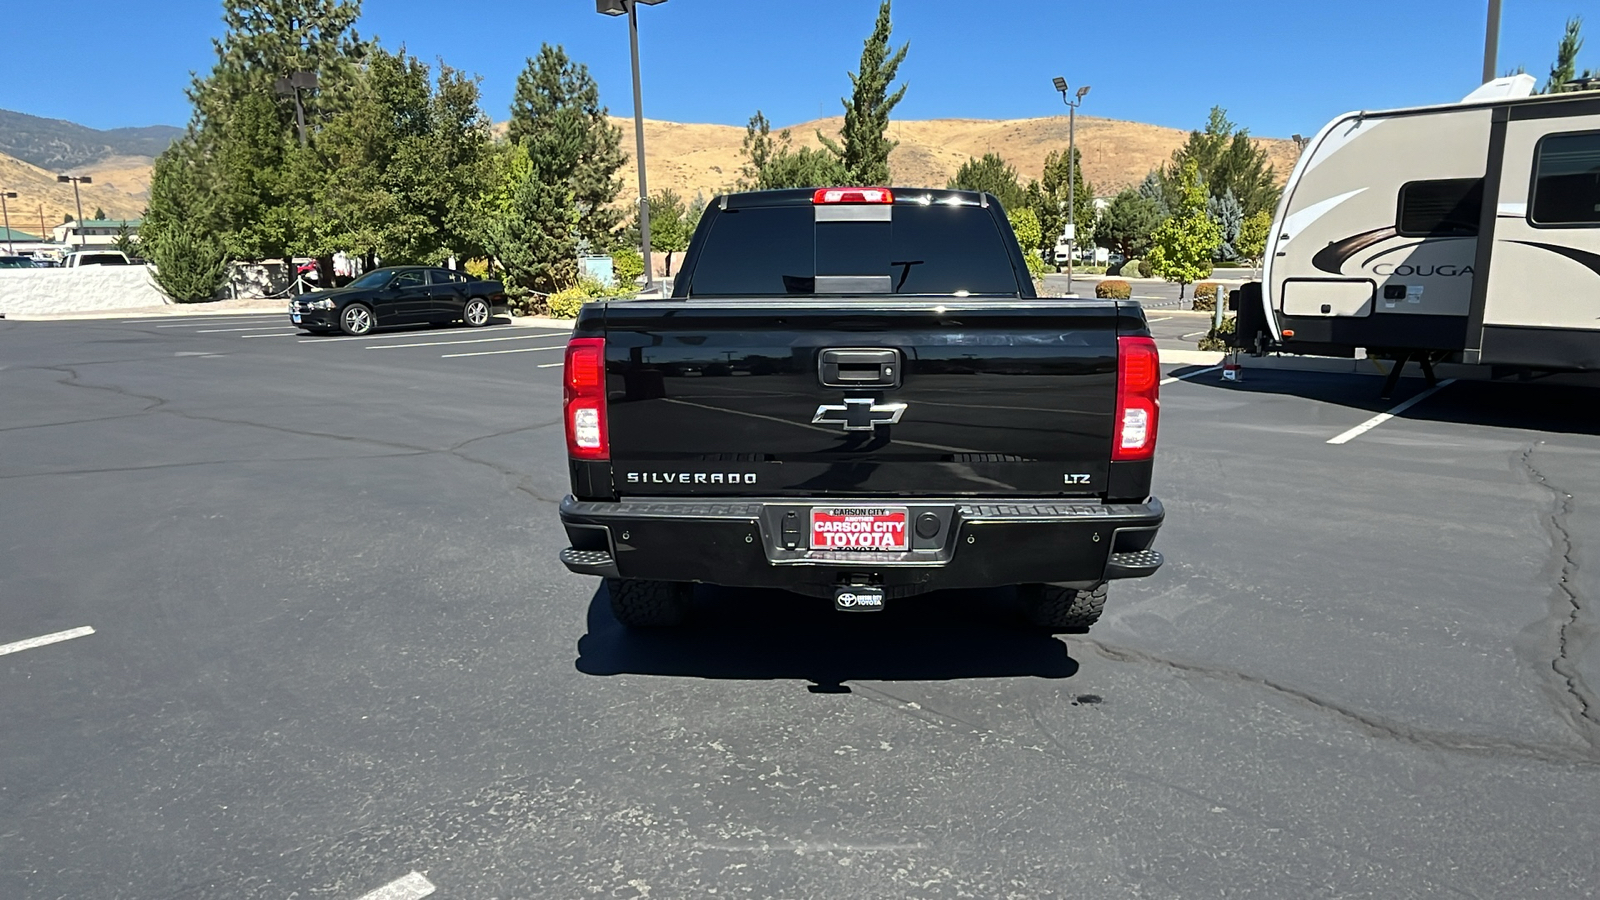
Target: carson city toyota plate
859	528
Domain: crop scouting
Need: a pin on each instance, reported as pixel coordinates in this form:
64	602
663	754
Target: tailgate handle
849	368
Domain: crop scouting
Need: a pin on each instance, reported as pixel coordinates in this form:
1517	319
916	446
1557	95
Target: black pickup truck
856	393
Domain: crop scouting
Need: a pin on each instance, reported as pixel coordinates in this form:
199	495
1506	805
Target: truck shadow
1559	404
756	634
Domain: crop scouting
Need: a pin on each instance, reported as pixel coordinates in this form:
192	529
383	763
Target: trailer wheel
1061	609
649	604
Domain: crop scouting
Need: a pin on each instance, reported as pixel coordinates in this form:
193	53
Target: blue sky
1278	67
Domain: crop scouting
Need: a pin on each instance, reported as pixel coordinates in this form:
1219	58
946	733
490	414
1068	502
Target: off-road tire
1061	609
357	319
649	604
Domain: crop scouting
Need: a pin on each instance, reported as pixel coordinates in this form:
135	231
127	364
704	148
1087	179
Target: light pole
1072	161
1491	41
294	84
77	180
11	245
630	8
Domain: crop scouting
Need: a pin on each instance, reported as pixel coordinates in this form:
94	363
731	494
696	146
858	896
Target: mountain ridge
67	146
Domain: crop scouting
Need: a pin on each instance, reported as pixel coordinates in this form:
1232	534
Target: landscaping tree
1182	246
1152	189
864	145
771	163
557	115
1128	223
124	242
191	263
1227	160
1048	199
1026	227
99	214
1225	212
398	170
1565	68
241	141
669	227
66	219
995	175
529	223
1253	233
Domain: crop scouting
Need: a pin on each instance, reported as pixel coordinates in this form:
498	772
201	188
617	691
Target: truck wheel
649	604
1063	609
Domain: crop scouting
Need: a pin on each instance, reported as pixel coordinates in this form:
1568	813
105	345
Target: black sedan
399	295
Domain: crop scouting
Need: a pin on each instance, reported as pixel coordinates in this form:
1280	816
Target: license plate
859	528
295	318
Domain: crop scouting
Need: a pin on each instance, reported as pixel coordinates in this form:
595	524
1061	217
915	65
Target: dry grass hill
705	159
121	186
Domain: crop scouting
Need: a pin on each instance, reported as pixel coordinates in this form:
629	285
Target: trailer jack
1423	358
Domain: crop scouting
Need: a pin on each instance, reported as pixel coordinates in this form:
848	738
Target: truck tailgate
862	397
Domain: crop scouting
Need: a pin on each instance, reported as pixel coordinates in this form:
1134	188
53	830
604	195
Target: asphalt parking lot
332	646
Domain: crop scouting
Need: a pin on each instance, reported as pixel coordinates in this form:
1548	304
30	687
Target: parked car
399	295
857	394
96	258
15	262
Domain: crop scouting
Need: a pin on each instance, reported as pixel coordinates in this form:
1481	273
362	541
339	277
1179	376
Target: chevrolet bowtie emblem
859	415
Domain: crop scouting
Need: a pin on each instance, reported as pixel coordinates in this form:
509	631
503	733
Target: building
11	235
93	232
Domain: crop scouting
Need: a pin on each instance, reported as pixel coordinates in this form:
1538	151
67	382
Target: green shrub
566	304
1217	338
190	266
1205	296
1113	289
626	267
1036	265
1144	267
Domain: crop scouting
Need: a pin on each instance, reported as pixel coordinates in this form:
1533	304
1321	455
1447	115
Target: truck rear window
781	251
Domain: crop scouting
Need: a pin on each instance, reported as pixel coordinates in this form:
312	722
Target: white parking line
1383	417
45	640
396	336
1160	319
411	887
498	352
550	365
274	334
221	320
225	330
516	337
1171	378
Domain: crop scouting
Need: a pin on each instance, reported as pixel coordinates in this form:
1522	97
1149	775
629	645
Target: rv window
1566	181
1447	208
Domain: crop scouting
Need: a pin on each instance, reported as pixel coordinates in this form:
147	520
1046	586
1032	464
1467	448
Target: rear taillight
1138	400
587	437
852	195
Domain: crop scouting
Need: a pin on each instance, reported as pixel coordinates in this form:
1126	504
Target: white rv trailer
1468	232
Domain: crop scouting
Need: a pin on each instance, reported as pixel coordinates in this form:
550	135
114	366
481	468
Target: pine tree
773	164
528	223
1565	68
1129	222
556	114
994	175
99	214
1048	199
1227	160
1229	218
865	148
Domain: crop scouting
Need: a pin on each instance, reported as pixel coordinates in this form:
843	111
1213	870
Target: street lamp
294	84
11	246
1072	161
77	180
630	8
1491	41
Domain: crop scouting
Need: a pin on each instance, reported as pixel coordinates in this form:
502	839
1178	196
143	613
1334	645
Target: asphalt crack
1569	634
1376	726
